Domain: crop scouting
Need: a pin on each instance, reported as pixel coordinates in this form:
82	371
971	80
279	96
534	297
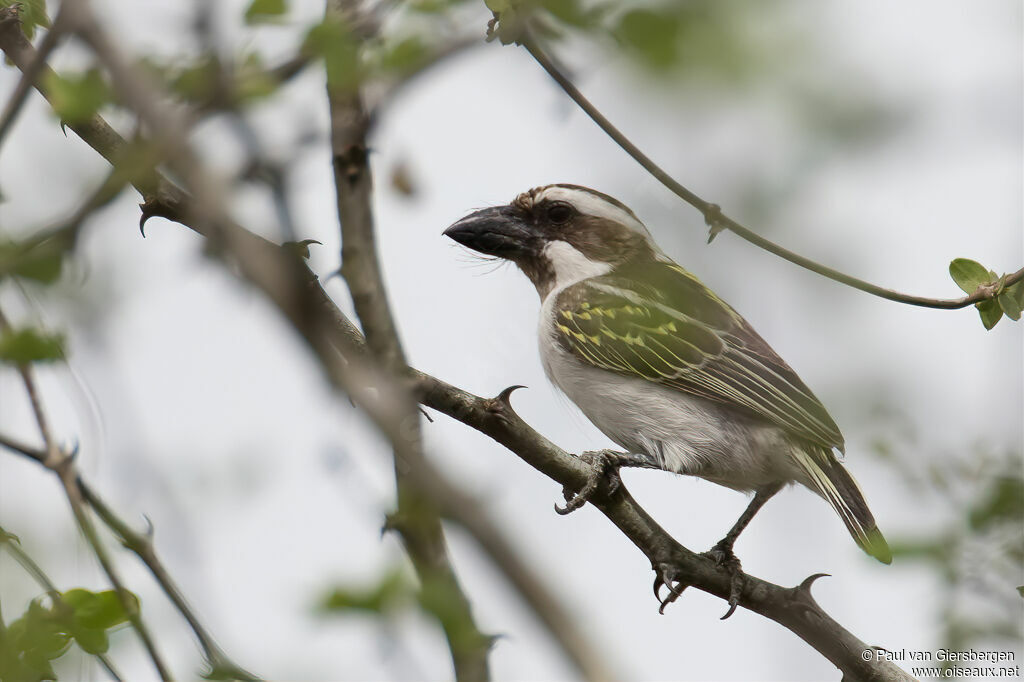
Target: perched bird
660	364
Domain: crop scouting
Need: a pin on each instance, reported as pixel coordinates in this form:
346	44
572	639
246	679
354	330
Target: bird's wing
660	323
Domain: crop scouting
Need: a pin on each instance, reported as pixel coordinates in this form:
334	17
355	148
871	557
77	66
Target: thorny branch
718	221
327	330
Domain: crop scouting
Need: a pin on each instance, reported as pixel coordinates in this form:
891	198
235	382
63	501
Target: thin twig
717	220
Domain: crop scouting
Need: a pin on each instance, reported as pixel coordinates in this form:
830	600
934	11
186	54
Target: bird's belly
686	434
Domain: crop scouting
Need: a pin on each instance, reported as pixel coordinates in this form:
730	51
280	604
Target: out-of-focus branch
63	465
718	221
416	518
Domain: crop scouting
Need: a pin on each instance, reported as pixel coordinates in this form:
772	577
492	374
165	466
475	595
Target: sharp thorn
809	580
506	395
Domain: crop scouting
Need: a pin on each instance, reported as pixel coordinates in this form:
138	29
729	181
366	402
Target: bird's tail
831	480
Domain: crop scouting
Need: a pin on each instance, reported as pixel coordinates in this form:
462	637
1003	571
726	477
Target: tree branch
416	518
718	221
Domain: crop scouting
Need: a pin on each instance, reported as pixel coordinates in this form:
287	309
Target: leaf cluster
30	644
973	277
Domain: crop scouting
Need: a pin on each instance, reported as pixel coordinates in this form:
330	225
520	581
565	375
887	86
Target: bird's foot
666	575
722	555
604	468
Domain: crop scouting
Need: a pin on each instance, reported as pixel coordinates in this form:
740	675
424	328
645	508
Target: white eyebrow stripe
590	204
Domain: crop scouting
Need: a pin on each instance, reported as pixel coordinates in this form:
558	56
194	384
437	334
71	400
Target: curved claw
601	468
735	591
722	555
662	577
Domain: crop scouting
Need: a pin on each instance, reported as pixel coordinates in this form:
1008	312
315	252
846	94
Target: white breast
685	433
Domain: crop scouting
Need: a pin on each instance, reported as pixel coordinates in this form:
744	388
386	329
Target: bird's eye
559	212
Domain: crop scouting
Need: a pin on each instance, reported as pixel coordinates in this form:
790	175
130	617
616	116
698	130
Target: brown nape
605	241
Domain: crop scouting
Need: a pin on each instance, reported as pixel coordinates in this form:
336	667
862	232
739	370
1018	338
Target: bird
661	365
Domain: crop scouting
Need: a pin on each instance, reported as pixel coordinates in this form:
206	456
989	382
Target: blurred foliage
334	42
666	37
971	276
76	98
391	592
211	84
40	259
265	10
30	643
978	549
394	593
22	346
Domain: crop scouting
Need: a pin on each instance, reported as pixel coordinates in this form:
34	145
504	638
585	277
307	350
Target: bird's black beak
499	231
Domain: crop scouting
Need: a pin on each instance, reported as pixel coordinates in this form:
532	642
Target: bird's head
558	234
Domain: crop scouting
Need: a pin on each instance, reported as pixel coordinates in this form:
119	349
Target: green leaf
391	590
1003	502
252	80
653	35
404	56
990	312
1008	302
1017	291
92	641
969	274
23	346
76	98
573	13
1011	300
265	10
104	610
39	260
332	39
197	82
1020	590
